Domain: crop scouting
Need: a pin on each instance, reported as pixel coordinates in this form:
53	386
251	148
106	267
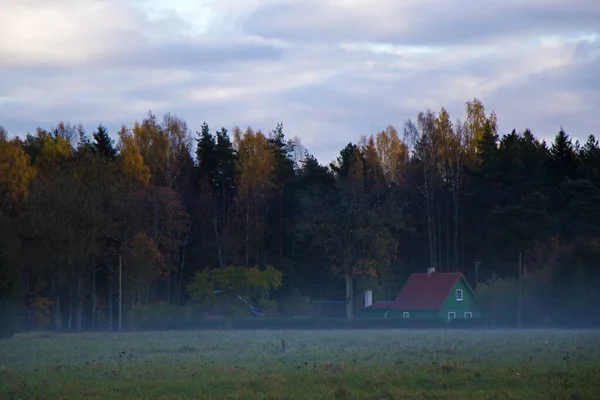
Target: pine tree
103	144
206	156
225	163
563	158
589	156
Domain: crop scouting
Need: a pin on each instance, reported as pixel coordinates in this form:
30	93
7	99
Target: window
459	295
405	314
451	316
468	315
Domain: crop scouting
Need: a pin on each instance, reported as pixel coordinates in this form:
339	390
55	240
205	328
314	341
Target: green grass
389	364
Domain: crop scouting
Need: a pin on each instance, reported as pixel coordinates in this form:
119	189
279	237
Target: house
445	295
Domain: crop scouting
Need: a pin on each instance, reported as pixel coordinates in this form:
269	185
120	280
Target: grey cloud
357	92
189	54
421	23
544	102
137	75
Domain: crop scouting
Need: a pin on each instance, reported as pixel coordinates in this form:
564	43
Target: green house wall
459	307
450	305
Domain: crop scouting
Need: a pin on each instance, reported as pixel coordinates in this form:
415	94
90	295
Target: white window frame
459	291
406	314
454	316
468	314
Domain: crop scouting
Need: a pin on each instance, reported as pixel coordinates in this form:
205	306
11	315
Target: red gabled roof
423	292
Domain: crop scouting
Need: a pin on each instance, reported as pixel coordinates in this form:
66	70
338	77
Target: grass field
388	364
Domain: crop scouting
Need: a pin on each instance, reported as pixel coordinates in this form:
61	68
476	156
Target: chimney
430	271
368	298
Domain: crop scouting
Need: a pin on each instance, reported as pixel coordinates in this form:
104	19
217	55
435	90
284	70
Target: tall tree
345	223
427	147
589	156
104	144
393	154
255	182
285	174
563	158
131	159
16	173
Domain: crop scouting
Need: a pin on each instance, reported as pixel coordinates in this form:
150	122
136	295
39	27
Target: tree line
166	216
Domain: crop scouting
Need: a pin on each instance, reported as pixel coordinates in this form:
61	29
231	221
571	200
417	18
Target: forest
178	221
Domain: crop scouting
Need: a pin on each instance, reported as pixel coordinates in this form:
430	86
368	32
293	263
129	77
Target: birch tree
427	145
255	183
393	154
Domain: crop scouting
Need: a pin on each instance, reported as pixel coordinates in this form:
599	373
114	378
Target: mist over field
341	364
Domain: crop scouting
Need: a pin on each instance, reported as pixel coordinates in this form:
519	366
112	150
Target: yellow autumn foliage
16	173
131	159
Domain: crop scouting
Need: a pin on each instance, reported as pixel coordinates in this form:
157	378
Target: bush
255	283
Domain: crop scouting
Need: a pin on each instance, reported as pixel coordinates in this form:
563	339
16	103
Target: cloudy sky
330	70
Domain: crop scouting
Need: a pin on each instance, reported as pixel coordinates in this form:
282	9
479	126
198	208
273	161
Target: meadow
329	364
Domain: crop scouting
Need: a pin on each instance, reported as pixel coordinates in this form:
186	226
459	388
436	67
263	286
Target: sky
329	70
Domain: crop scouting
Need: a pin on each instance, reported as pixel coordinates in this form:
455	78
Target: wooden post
477	264
120	292
520	301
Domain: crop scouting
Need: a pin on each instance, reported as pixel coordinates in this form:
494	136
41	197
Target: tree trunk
70	308
456	227
349	296
180	280
169	287
462	238
94	299
109	308
438	234
257	234
449	263
281	224
79	306
257	244
430	225
247	237
217	238
223	222
434	238
57	315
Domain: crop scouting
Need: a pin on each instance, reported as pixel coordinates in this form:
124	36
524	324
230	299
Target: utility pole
120	291
520	301
477	264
